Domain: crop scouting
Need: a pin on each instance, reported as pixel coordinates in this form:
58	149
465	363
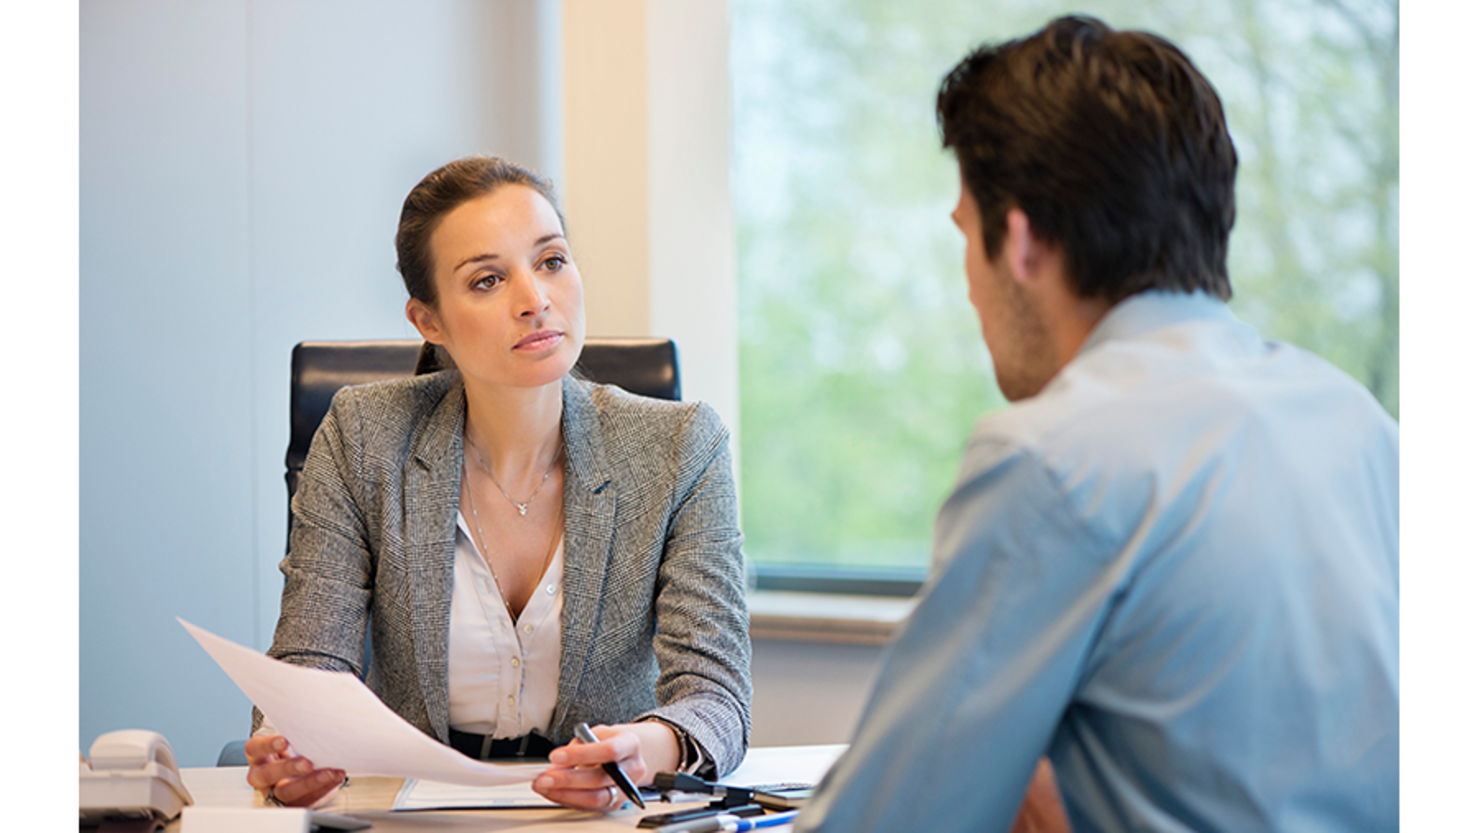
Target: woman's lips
539	340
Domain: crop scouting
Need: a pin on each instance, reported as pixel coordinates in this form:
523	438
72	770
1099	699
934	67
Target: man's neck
1069	319
1077	319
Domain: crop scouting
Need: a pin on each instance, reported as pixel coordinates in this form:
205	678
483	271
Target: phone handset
130	773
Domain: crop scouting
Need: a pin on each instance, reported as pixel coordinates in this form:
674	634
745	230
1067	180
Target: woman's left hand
575	778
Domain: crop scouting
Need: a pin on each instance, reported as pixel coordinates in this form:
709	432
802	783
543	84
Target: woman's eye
486	281
553	263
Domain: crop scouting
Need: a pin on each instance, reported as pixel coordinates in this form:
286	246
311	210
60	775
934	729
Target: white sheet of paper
435	795
788	764
333	720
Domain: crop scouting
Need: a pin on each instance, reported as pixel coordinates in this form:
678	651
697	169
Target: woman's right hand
273	768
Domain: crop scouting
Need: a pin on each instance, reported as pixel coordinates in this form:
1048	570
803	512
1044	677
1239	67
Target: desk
370	798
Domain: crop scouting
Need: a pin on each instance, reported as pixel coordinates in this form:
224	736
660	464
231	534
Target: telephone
130	773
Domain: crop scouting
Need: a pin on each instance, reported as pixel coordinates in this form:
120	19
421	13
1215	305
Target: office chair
645	366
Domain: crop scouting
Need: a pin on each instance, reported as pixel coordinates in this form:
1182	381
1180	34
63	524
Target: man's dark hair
1114	146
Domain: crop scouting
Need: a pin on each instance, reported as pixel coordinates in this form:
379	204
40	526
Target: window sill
826	617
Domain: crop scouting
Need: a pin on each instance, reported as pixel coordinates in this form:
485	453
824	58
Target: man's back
1251	646
1175	570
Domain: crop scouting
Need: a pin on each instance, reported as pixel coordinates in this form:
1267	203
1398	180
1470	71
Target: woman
531	551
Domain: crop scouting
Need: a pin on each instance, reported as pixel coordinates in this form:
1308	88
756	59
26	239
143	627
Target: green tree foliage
862	367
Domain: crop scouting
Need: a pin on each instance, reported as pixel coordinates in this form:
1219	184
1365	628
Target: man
1171	567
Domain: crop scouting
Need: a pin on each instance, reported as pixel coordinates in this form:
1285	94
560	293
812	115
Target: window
862	367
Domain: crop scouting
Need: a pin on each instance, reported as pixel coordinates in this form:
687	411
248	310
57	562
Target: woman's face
509	302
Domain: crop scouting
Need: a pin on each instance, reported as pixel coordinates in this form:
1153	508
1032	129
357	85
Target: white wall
242	168
647	189
809	692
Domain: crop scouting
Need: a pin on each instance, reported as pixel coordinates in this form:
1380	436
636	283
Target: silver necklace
522	507
483	543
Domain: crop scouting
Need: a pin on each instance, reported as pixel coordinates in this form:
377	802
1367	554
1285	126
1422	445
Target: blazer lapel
590	525
432	488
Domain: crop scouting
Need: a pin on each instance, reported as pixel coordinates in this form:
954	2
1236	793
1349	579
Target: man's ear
425	320
1026	253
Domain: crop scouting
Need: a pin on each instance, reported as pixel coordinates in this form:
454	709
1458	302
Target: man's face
1012	325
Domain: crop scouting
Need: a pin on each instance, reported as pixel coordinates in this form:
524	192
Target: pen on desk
727	823
587	736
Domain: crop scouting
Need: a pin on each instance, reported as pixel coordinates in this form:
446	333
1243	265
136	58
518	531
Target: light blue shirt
1175	572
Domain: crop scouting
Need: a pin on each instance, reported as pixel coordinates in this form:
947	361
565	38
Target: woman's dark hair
439	193
1111	142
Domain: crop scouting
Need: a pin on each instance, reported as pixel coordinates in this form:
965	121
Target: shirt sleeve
972	690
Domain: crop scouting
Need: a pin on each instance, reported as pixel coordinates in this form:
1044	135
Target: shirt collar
1154	310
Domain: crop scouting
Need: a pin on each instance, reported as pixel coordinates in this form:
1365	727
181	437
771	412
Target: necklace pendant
522	507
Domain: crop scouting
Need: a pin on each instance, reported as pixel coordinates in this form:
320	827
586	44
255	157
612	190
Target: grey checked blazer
654	621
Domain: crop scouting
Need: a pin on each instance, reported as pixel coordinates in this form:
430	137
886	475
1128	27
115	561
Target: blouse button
549	589
514	662
528	628
511	699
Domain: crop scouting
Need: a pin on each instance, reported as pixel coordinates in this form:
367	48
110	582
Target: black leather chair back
645	366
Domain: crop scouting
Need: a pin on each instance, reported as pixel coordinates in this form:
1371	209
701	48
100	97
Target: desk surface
370	798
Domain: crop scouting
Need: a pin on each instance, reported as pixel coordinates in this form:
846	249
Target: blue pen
584	732
757	822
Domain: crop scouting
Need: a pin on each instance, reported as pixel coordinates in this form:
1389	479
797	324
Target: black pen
587	736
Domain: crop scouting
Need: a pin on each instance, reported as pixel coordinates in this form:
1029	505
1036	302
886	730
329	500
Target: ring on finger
613	797
272	800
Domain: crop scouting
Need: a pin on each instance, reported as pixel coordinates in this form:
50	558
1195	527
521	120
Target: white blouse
503	676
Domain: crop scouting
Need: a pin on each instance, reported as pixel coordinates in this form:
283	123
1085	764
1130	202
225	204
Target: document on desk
335	721
435	795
